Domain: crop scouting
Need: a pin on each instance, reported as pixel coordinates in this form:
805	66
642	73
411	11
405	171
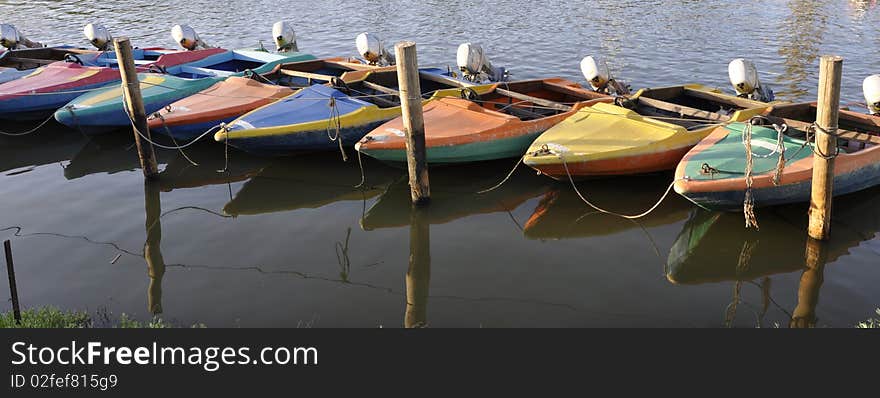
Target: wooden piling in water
413	122
135	106
13	290
830	70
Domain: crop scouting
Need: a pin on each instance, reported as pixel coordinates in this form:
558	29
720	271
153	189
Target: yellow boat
647	132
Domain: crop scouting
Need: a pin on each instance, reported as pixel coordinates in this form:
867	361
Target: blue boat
316	116
102	110
48	88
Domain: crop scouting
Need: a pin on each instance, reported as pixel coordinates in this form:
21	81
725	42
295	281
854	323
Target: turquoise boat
102	110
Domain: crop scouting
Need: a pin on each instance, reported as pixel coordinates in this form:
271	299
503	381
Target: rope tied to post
831	131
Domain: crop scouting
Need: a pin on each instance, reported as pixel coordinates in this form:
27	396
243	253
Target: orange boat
499	123
223	102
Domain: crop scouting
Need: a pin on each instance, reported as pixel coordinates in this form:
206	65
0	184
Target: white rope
28	131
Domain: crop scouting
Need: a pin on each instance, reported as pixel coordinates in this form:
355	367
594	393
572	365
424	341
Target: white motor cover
471	59
596	73
98	35
871	89
187	37
284	36
475	65
743	76
371	48
9	36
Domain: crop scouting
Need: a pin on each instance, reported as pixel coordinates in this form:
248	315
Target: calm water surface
290	242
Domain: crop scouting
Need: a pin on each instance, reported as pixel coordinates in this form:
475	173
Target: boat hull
605	139
50	88
725	190
102	110
221	103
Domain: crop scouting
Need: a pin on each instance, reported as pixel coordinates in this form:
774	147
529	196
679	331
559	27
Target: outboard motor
285	37
600	79
371	48
744	78
99	36
187	37
871	89
475	66
12	39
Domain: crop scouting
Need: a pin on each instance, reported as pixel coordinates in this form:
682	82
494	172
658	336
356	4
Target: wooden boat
498	124
224	101
651	132
712	174
16	64
47	89
102	110
305	121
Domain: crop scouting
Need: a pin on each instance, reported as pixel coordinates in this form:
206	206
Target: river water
290	243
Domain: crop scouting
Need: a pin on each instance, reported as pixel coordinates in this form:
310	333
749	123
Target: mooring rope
334	122
158	115
547	150
33	130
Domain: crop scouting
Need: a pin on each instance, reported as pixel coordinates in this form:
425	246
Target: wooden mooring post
830	69
413	122
13	290
135	105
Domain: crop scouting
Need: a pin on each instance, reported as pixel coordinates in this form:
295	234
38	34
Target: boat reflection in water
211	167
48	145
562	214
110	154
716	247
454	195
307	182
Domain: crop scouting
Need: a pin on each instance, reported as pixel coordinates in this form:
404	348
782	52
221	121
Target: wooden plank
534	100
380	88
307	75
30	60
736	101
841	133
682	110
443	80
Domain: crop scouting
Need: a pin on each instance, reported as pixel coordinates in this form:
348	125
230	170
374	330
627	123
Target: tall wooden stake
13	290
135	105
830	68
413	122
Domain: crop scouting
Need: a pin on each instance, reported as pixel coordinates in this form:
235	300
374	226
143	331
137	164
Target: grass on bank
52	317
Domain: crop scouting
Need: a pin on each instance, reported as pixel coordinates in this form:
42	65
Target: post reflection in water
714	247
418	276
152	246
815	257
